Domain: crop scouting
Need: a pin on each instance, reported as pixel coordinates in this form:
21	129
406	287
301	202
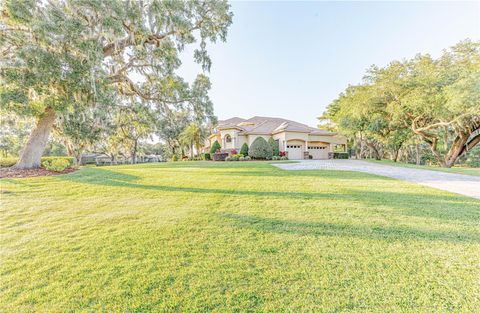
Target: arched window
228	138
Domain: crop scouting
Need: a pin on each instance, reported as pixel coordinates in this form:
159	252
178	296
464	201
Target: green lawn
239	236
475	171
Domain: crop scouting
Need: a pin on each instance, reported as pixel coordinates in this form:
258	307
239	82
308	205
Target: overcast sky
291	59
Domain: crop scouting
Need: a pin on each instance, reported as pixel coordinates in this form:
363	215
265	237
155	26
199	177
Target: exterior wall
251	138
295	135
241	139
282	144
217	137
233	135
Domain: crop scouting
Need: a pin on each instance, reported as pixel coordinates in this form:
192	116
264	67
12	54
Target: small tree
216	146
274	145
244	149
260	149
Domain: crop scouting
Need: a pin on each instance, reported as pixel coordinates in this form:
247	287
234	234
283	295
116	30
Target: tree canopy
61	54
434	100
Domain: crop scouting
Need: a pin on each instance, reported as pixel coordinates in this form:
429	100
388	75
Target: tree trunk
395	158
35	146
417	154
134	152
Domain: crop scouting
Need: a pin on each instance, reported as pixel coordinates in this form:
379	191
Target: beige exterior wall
252	138
240	141
296	136
281	140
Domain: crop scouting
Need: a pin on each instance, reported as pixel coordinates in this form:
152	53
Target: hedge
7	162
215	147
244	149
340	155
260	149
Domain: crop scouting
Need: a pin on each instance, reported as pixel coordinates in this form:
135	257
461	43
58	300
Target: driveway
458	183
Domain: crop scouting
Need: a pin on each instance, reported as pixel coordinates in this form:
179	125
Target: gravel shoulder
466	185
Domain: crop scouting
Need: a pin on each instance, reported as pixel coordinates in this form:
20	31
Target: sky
291	59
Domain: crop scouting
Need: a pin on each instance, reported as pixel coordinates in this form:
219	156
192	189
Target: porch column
306	149
234	141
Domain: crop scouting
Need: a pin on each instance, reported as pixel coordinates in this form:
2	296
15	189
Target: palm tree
193	136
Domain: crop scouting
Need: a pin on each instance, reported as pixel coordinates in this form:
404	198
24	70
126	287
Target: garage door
295	152
318	152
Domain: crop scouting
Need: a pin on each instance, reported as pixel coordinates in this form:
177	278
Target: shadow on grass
447	207
377	232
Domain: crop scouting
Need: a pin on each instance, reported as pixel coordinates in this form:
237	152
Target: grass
475	171
240	236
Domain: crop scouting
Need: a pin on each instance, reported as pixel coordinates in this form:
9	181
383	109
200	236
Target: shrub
310	156
237	155
274	145
175	158
233	151
7	162
282	153
70	160
340	155
275	158
220	156
260	149
207	157
228	159
244	149
283	158
247	158
241	158
235	158
215	147
56	164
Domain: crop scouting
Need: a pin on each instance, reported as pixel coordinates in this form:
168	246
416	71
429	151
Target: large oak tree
59	54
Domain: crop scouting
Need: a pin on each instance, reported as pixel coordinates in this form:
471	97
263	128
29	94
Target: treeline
422	110
102	75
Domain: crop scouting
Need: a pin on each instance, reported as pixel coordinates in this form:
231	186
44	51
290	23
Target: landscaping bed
10	172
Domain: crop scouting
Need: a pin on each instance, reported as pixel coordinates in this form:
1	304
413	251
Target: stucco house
298	140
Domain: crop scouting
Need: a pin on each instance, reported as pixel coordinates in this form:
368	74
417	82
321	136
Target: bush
70	160
260	149
282	153
7	162
241	158
340	155
275	158
233	151
220	156
274	145
215	147
283	158
244	149
235	158
55	164
207	157
247	158
175	158
237	155
228	158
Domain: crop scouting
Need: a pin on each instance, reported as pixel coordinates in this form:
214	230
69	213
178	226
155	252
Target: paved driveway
462	184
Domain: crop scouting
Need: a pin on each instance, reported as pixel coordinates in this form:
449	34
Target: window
228	138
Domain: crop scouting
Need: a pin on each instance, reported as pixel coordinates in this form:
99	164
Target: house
298	140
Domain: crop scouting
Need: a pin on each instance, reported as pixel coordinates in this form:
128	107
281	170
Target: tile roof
269	125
